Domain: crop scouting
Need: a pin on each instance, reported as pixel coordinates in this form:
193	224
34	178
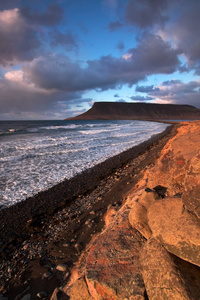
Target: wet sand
53	228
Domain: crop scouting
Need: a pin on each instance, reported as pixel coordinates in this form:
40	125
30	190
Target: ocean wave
42	156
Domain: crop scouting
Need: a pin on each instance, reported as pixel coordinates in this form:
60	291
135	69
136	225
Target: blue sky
59	57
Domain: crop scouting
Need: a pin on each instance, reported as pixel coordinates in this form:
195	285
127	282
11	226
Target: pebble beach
42	238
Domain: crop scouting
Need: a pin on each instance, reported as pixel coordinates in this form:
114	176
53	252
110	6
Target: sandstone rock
59	294
191	195
79	291
109	215
176	229
61	267
148	197
112	266
138	219
161	277
172	166
136	297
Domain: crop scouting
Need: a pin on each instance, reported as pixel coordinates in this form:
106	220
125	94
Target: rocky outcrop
150	248
161	276
112	268
175	228
139	111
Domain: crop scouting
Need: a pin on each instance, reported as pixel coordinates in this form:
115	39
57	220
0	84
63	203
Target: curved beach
55	226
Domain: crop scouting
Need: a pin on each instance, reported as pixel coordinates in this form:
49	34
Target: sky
59	57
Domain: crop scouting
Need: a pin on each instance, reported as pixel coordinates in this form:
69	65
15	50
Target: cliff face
139	111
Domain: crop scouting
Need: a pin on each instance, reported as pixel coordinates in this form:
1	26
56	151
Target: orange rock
138	219
79	291
161	277
59	294
175	228
191	195
112	267
109	216
178	157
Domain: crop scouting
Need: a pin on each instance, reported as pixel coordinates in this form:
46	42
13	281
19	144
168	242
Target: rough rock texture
112	267
175	228
178	167
138	219
80	291
164	208
161	277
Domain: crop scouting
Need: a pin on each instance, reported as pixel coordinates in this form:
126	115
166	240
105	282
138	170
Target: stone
109	216
59	294
47	275
42	295
112	264
178	167
61	267
26	297
138	219
147	198
191	194
136	297
3	298
79	290
161	277
176	229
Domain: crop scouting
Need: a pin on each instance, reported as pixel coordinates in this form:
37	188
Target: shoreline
62	194
50	229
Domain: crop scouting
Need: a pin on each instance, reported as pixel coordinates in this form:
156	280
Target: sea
35	155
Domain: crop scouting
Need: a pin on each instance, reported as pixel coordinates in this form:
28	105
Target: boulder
178	155
138	219
191	195
161	277
59	294
148	197
79	290
175	228
112	265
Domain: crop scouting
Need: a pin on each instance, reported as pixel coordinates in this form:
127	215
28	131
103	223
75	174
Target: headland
139	111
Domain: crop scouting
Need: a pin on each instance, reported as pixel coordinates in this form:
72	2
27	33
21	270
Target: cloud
20	29
178	92
120	46
120	100
183	31
20	98
55	72
83	28
146	89
151	56
116	96
7	5
51	17
171	82
67	40
112	26
19	41
142	98
146	13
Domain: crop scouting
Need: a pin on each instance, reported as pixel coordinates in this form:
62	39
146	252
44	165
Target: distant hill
139	111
